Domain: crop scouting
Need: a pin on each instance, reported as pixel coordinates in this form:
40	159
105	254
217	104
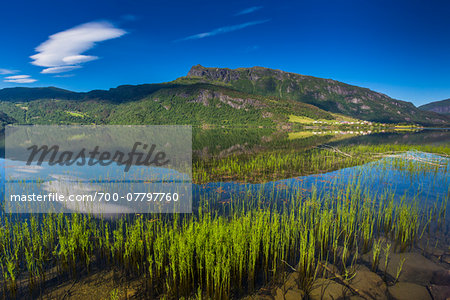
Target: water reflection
219	143
379	177
387	176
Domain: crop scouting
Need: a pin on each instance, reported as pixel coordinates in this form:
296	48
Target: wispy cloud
222	30
54	70
20	79
248	10
64	75
62	52
7	71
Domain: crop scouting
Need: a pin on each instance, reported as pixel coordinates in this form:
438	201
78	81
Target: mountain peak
215	74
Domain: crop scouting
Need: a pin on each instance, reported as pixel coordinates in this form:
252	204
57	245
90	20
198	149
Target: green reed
221	250
218	254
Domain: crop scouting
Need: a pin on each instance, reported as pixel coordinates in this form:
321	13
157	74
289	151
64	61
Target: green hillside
212	96
440	107
327	94
195	104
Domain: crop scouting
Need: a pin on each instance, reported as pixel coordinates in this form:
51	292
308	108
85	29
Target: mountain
327	94
167	103
440	107
119	94
28	94
251	96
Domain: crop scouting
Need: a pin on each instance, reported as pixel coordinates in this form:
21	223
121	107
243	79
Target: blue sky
400	48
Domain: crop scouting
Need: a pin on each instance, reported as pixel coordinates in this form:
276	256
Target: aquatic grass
386	250
376	250
214	253
222	250
399	270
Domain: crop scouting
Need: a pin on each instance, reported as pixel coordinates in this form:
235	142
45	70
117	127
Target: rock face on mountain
440	107
327	94
214	74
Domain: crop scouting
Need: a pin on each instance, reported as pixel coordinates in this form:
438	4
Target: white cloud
20	79
62	52
54	70
78	59
7	71
222	30
248	10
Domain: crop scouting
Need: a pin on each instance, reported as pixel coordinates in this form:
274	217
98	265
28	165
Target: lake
346	204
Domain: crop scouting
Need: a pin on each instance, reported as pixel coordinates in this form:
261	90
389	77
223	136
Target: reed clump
224	249
217	255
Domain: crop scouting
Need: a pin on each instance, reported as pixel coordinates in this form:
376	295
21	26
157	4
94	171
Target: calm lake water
415	179
380	177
